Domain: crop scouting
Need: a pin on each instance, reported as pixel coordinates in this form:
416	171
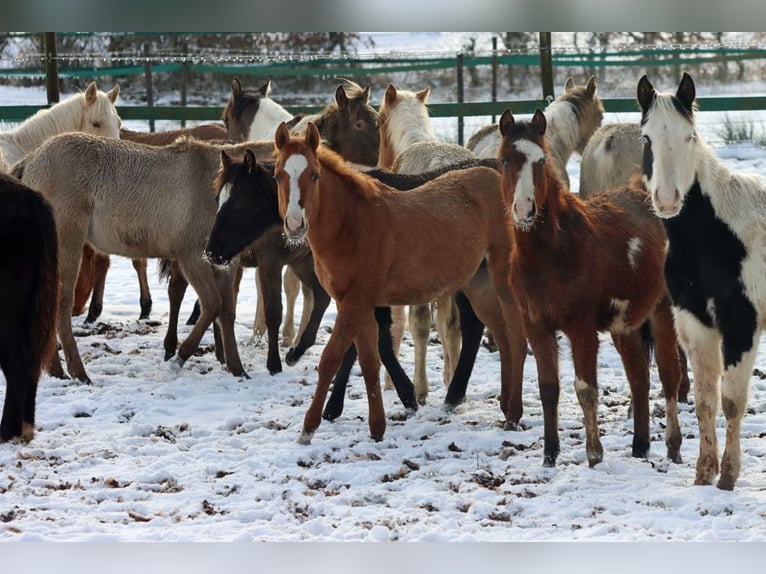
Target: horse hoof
725	483
273	370
549	461
509	425
305	438
292	356
242	374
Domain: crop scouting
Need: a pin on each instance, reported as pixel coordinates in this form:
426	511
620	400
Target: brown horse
93	268
617	239
28	294
375	246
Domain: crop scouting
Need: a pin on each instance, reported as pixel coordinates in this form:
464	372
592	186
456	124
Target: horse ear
423	94
391	94
225	159
539	122
91	93
250	161
645	93
265	88
569	85
282	136
341	98
592	85
236	87
366	94
312	136
113	93
506	122
686	91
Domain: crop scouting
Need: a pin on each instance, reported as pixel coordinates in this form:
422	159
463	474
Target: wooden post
546	65
51	67
149	86
460	96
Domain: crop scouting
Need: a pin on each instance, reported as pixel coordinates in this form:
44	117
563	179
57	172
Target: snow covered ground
149	453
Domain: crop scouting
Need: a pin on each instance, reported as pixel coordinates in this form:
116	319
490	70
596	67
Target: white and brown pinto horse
716	262
91	111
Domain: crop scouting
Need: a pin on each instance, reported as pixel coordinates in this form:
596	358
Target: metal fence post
546	65
460	96
149	85
51	67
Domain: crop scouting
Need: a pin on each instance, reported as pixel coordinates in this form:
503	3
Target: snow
149	452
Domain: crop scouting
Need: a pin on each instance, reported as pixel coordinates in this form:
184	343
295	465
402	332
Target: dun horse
715	264
137	201
617	239
93	268
28	296
572	119
92	112
426	243
611	158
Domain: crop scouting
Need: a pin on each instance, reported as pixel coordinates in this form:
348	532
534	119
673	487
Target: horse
714	268
409	145
91	111
93	268
28	294
426	243
611	158
615	236
572	119
348	125
136	201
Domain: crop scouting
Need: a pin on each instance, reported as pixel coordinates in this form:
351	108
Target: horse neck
408	125
63	117
269	115
563	132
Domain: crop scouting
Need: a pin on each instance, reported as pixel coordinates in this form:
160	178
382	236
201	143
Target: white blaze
224	195
294	166
524	196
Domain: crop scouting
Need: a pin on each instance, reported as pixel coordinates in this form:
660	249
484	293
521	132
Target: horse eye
276	178
96	124
360	125
691	137
504	162
645	139
314	176
541	161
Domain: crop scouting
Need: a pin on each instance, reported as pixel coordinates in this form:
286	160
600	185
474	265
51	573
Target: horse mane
566	111
366	187
409	117
61	117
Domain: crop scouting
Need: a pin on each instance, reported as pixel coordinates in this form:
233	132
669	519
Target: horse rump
29	287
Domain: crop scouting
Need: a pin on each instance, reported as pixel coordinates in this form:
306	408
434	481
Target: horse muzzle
666	204
524	220
216	259
296	234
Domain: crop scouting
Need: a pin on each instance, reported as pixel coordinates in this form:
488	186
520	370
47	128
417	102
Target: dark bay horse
28	296
458	221
715	265
616	238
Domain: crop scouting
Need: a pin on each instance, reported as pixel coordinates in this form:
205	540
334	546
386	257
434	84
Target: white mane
269	115
563	128
408	122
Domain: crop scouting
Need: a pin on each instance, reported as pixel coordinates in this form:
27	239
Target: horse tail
647	339
164	267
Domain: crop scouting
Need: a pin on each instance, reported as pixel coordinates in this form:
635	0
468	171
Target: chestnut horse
28	295
617	239
715	265
93	268
374	246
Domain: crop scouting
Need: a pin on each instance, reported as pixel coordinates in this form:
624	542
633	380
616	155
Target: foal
715	264
613	236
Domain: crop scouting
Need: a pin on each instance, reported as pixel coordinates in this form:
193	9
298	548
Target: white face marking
224	195
295	165
524	195
266	120
634	249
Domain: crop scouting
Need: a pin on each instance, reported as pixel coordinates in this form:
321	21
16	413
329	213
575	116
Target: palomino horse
28	294
572	119
409	145
137	201
617	239
715	264
91	111
93	268
348	126
401	249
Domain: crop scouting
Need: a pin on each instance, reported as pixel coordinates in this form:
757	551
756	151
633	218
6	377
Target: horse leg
259	322
100	267
292	286
145	296
84	285
545	349
669	367
448	327
685	386
225	282
584	353
334	407
307	309
703	348
304	270
343	334
177	285
631	350
399	318
734	390
402	383
420	328
366	343
471	330
270	279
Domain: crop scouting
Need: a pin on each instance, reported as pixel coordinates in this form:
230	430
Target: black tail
164	267
647	339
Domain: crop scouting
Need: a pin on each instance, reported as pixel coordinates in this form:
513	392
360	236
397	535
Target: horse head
522	156
247	206
296	172
250	114
350	124
670	138
402	120
99	116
